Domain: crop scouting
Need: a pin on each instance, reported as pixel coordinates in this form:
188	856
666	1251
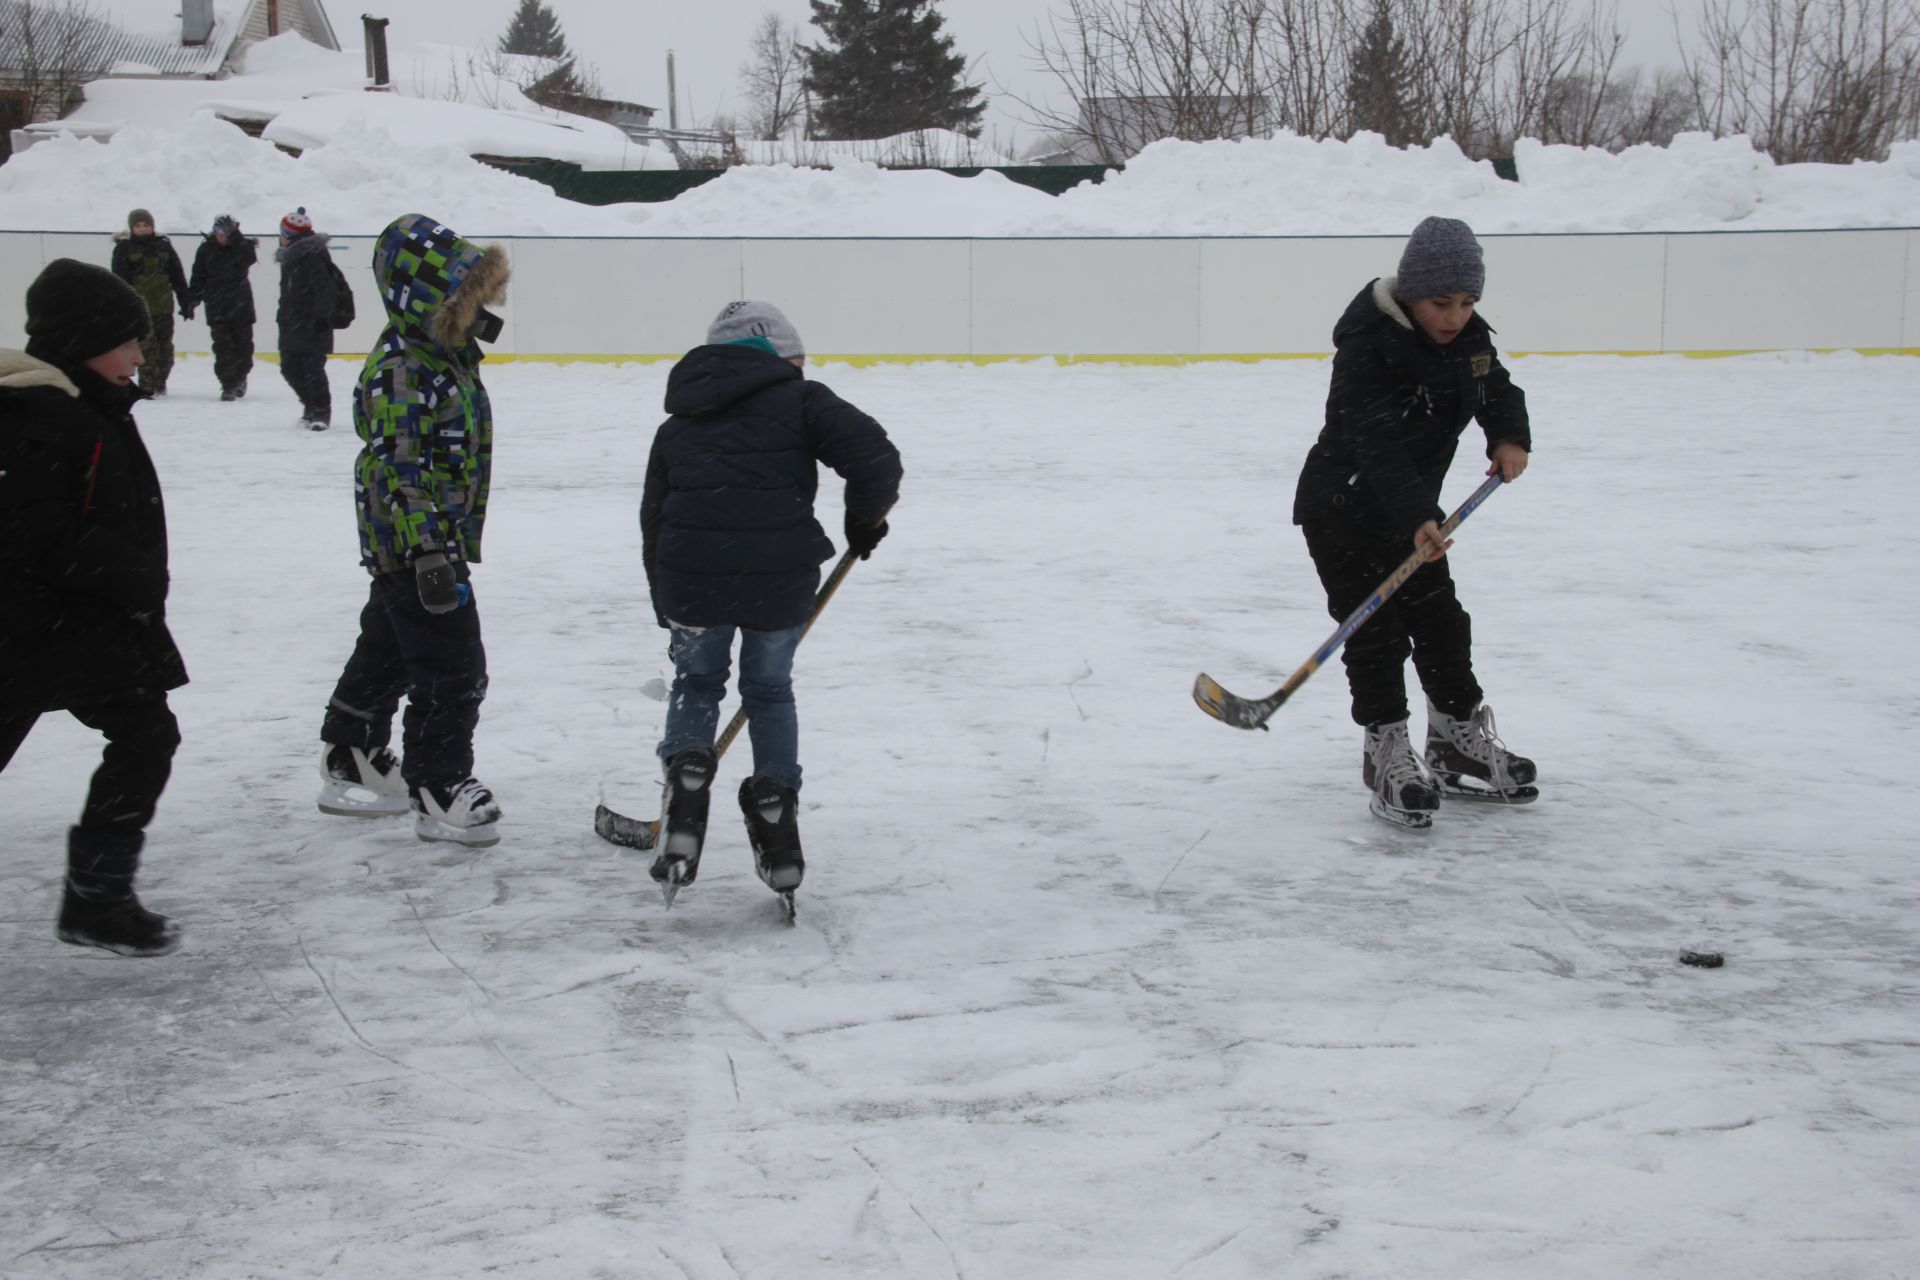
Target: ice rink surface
1084	983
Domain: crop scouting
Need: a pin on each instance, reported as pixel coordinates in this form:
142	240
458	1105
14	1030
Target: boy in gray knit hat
1413	364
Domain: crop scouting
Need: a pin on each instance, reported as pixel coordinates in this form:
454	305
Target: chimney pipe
196	21
376	32
673	96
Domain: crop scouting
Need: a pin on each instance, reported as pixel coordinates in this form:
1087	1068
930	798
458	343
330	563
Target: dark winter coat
150	265
1395	411
219	281
307	295
83	545
727	526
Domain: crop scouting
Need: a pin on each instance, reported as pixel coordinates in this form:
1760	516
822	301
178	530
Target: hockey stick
641	833
1247	713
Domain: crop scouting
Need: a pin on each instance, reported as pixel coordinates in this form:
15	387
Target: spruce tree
1377	82
535	30
883	67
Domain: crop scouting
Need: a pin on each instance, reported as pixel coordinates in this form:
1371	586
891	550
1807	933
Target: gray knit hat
1441	257
138	216
740	321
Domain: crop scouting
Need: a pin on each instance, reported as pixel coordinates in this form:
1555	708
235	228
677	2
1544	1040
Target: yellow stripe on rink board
1249	357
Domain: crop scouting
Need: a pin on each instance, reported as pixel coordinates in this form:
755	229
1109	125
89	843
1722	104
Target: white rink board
1169	298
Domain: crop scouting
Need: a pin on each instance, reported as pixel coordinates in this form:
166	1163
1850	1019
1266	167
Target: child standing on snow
148	263
421	481
219	283
731	544
83	571
309	293
1413	365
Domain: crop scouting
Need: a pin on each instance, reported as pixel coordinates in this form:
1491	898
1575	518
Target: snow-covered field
1084	984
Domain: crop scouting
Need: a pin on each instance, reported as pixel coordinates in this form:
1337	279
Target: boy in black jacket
1413	365
309	293
83	571
730	543
219	283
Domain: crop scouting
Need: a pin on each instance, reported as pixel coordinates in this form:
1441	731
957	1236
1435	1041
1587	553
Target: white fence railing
1171	298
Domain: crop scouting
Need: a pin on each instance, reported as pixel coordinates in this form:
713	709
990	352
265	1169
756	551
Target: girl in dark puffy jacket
1414	364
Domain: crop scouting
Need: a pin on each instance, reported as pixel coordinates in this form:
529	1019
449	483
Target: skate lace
1482	740
473	792
1396	760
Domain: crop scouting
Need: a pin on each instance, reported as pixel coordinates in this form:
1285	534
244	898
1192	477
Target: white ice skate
1403	794
361	784
465	813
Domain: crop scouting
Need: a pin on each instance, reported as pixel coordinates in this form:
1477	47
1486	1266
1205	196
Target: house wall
1152	299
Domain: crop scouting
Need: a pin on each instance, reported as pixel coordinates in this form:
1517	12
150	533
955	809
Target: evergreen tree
1377	81
534	29
884	67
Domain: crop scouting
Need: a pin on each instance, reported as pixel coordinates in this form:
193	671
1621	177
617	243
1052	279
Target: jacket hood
22	372
433	282
314	243
1376	307
712	377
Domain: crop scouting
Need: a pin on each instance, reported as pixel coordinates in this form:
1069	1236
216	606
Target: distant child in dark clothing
219	283
731	544
1413	365
148	263
83	572
309	293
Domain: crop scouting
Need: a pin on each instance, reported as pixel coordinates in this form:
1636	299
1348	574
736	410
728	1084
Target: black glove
186	311
864	537
439	585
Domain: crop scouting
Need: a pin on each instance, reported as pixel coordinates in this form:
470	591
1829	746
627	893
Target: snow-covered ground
1084	984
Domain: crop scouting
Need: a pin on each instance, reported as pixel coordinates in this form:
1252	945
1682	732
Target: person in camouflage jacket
148	263
420	487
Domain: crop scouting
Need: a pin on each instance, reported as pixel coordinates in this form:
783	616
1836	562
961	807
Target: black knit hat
76	311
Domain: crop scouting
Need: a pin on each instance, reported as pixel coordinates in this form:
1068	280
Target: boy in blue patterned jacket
421	489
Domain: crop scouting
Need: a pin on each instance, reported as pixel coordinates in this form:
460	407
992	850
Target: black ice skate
361	784
463	812
98	908
683	819
1402	792
773	827
1471	763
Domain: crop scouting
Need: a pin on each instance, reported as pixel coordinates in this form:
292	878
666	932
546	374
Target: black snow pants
1424	618
141	738
306	373
232	353
436	659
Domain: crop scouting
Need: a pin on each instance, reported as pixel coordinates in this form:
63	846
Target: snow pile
371	156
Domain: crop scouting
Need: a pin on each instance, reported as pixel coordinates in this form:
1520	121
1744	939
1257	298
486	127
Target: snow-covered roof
128	37
475	130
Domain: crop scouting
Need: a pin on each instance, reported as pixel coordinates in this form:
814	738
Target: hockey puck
1702	959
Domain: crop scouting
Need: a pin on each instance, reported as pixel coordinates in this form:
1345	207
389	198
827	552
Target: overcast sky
627	42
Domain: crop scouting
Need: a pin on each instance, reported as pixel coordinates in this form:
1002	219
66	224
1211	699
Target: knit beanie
745	321
139	215
76	311
296	224
1441	257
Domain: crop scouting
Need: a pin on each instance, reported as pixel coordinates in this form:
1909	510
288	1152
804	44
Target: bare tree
1810	80
54	49
773	78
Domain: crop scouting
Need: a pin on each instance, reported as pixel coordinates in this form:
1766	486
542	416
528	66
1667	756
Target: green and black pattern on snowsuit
150	265
420	410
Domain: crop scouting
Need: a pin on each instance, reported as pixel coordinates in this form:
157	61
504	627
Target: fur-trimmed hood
313	242
1377	305
22	372
434	283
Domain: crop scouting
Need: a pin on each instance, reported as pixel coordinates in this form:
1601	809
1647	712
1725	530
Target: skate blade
1405	819
343	804
674	881
788	911
1455	786
168	944
432	830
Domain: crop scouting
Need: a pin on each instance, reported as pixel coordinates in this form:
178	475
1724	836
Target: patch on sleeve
1482	364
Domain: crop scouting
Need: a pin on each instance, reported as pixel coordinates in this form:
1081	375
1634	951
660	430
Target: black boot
98	908
683	816
773	826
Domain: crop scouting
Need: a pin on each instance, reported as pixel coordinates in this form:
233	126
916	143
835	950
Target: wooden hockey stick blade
1230	708
629	833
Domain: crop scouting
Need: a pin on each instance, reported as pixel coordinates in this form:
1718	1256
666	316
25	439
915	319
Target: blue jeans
701	660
